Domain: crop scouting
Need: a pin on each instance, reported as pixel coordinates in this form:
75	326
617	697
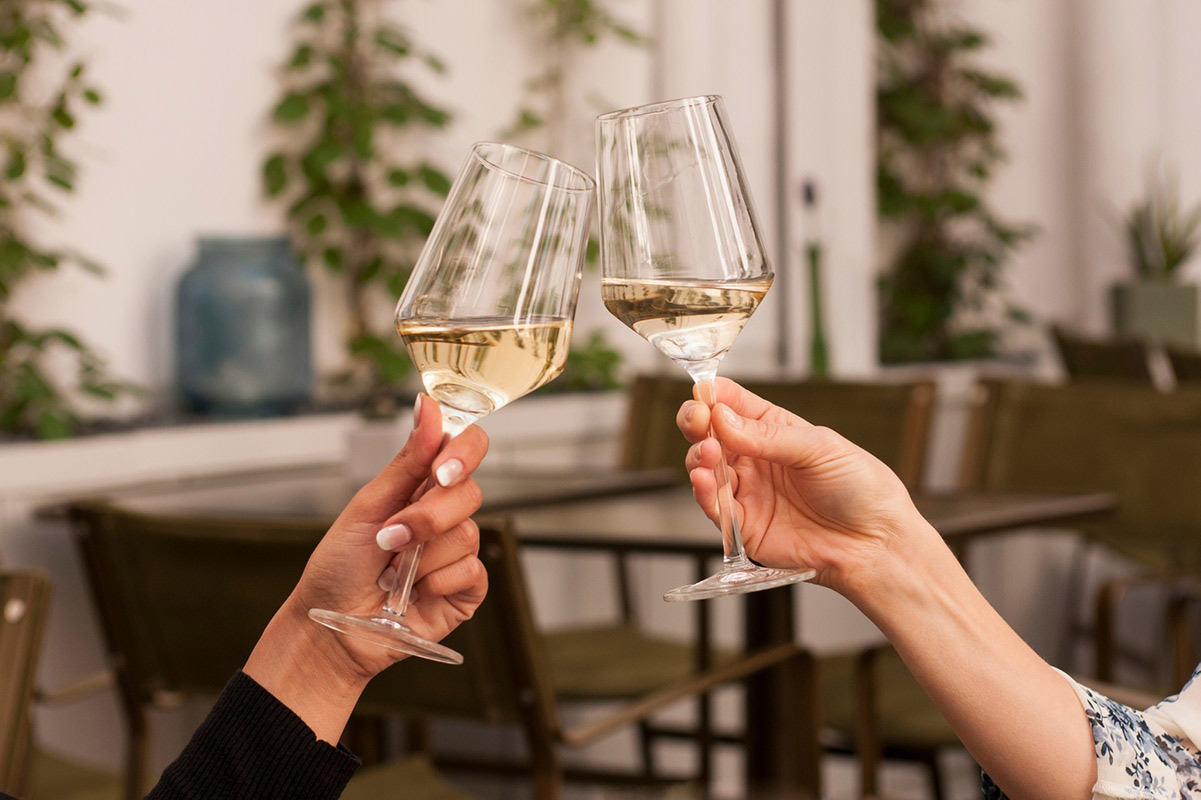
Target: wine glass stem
397	602
731	536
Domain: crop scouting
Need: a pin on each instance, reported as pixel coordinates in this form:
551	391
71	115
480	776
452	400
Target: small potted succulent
1161	237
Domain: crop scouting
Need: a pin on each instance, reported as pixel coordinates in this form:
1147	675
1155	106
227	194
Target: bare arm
806	496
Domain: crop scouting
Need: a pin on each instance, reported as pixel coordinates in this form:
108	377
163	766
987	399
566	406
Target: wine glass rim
579	181
660	107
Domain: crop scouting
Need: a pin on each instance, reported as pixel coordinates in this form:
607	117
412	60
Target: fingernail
387	578
449	472
417	410
731	419
689	411
393	537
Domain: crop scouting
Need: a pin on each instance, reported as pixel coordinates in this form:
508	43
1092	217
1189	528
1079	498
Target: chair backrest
1107	359
24	601
182	600
1141	444
1185	364
505	676
889	420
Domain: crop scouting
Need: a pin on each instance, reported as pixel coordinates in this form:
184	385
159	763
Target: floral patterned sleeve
1141	755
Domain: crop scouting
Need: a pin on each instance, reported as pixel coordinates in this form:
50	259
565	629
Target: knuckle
472	494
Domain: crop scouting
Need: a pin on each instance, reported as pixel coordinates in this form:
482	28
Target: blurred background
209	210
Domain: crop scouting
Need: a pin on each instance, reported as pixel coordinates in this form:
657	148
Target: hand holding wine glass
684	266
486	317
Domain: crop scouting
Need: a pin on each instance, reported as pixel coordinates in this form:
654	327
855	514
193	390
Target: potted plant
359	195
941	290
1161	236
44	372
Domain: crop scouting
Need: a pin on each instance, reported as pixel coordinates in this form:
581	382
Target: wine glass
684	267
486	317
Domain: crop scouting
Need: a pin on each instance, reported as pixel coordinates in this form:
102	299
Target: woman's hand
320	673
806	497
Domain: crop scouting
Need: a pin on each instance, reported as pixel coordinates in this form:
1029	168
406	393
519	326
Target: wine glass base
390	633
738	580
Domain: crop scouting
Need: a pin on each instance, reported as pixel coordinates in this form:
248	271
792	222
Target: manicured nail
417	410
688	412
731	419
393	537
387	578
449	472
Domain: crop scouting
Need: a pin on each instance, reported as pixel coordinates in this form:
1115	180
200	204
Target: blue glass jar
242	328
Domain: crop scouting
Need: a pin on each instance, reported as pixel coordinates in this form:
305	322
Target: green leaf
302	57
63	117
393	41
371	270
16	163
54	423
398	177
435	63
396	114
275	174
317	225
8	84
60	181
62	337
332	257
92	96
434	116
434	179
293	108
314	13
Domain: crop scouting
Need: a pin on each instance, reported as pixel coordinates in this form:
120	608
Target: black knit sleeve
252	746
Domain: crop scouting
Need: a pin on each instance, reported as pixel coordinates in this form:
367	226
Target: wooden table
320	493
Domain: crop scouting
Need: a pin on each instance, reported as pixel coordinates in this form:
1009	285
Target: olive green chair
1185	363
182	602
873	707
1141	444
26	770
1117	359
889	420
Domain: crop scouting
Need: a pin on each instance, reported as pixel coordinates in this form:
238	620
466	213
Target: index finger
745	402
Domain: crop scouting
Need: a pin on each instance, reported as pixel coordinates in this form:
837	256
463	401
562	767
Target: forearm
1020	719
296	661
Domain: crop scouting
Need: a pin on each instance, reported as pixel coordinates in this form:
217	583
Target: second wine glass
684	266
486	317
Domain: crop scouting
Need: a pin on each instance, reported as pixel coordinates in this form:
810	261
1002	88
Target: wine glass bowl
486	317
684	266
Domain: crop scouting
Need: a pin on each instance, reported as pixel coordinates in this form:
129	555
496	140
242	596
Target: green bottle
819	353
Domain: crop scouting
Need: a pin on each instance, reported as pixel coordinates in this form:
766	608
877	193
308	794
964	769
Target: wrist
903	574
303	665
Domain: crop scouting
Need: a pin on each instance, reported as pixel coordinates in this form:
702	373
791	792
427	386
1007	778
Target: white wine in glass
486	317
685	268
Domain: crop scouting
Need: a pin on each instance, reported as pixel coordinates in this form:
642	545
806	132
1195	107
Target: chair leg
934	771
136	758
704	743
646	745
867	736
